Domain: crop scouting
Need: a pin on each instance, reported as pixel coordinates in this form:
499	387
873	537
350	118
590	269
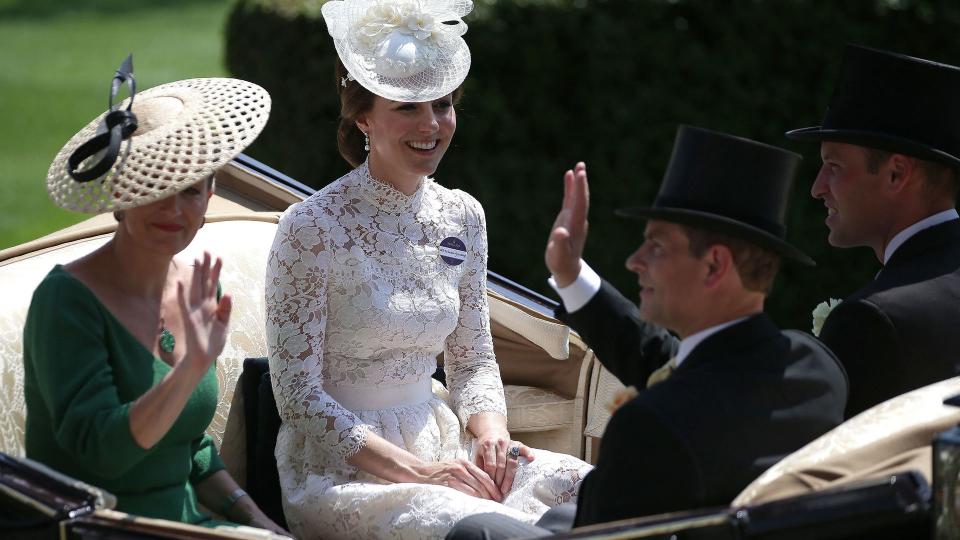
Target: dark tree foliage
606	82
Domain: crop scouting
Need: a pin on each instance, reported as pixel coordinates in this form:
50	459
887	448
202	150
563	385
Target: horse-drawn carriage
556	393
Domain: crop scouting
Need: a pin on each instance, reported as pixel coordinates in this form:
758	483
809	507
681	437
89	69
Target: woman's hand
495	457
205	319
493	452
261	521
240	508
204	322
460	475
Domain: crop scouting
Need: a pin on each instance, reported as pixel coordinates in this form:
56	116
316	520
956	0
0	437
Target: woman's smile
169	227
424	147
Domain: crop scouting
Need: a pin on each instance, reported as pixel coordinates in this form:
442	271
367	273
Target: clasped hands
491	474
498	456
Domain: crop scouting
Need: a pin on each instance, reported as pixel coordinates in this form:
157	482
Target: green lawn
56	60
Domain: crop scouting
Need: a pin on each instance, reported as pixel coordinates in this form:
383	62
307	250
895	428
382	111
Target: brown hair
354	101
757	266
941	179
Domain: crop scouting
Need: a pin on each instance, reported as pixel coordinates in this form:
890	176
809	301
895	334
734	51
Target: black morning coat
743	399
902	330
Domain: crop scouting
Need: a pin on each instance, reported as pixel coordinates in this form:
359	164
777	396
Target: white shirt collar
925	223
690	342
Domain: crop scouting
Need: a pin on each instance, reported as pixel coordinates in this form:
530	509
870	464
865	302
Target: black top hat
730	185
896	103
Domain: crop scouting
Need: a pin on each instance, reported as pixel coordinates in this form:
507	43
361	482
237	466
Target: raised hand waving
569	232
205	319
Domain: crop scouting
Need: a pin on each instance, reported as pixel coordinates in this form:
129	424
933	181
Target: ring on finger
514	452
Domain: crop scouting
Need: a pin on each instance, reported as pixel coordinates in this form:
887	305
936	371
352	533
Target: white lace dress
360	302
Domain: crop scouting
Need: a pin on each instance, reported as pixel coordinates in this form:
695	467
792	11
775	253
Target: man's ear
902	173
719	263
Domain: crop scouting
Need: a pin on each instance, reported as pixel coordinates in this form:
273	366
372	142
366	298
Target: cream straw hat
404	50
184	131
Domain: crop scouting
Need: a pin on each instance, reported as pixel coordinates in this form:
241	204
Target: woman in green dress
120	346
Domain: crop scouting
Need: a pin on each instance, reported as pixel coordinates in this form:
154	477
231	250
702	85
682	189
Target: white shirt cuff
576	295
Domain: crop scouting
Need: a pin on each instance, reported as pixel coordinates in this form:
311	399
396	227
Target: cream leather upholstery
532	346
539	417
17	282
603	387
536	409
892	437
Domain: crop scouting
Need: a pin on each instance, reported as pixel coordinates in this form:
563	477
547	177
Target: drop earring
366	142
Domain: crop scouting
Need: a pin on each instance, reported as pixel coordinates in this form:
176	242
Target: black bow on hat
893	102
118	126
727	184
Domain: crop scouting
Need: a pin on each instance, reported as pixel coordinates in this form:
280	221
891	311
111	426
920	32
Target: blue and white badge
453	251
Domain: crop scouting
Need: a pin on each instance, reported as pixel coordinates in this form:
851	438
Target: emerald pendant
166	341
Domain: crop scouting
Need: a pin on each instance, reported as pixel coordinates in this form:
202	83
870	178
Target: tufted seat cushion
536	409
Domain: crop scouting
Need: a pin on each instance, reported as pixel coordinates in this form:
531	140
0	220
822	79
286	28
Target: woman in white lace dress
369	280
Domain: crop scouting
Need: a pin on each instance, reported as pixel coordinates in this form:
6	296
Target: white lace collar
386	197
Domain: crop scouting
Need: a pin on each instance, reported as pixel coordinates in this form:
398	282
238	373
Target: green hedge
607	82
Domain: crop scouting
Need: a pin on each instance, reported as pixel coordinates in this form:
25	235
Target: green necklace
167	341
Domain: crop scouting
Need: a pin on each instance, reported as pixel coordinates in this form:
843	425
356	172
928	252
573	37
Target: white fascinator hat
403	50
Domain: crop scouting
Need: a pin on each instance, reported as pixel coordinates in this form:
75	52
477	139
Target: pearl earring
366	142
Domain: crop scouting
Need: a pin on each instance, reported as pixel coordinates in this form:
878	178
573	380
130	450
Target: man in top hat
890	145
731	394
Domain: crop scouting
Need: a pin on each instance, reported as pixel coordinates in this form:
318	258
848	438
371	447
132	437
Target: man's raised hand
569	232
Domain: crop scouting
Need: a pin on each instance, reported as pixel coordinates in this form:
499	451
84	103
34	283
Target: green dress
83	371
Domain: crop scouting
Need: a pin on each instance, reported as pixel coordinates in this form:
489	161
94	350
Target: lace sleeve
472	371
296	293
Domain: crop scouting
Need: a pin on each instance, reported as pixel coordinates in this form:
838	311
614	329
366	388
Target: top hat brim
721	224
878	140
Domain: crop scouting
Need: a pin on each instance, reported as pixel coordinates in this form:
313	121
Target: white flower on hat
821	312
421	25
397	38
379	21
404	50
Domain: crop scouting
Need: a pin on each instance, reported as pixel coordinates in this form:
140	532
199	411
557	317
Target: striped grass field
56	61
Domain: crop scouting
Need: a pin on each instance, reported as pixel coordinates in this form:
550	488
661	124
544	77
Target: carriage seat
540	418
889	438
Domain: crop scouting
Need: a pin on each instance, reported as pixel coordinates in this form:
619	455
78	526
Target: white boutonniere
821	312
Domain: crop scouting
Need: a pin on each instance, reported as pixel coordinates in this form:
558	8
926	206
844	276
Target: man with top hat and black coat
730	394
890	145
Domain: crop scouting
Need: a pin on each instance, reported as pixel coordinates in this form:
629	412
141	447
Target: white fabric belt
369	398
